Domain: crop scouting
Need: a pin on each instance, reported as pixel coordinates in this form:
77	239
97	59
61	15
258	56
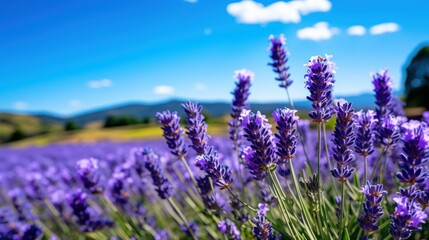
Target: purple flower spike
408	217
173	133
372	209
196	127
415	153
87	169
258	132
320	81
86	217
162	184
426	117
343	140
383	93
239	103
388	133
263	229
365	123
217	171
228	228
285	138
280	58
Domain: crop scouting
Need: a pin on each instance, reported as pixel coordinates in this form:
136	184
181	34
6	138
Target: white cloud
163	90
74	103
320	31
384	28
356	30
250	12
20	105
208	31
200	86
103	83
191	1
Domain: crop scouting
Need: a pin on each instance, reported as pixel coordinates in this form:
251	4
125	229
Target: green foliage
71	126
18	134
116	121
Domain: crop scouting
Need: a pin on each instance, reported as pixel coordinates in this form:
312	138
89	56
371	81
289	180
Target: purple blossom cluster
320	82
279	57
343	140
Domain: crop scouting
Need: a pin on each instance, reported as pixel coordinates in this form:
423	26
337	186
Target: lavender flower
196	126
205	190
21	205
383	93
87	169
415	154
388	133
320	80
86	217
365	123
228	228
407	218
152	163
286	137
118	189
162	235
239	103
279	57
261	156
263	229
372	209
190	230
426	117
173	133
217	171
32	232
343	140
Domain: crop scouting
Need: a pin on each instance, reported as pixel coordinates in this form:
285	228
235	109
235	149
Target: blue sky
67	57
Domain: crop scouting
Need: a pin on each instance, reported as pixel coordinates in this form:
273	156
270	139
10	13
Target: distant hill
214	109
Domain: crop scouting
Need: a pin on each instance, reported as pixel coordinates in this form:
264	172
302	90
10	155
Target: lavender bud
372	209
190	230
239	103
152	163
263	229
196	127
320	80
280	58
261	156
173	133
383	93
407	218
415	153
343	140
87	169
388	133
365	123
228	228
285	138
217	171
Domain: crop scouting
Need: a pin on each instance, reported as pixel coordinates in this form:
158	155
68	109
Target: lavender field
275	177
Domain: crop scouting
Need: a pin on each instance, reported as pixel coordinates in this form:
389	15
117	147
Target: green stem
328	157
181	215
319	151
342	209
374	170
188	169
283	208
238	199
